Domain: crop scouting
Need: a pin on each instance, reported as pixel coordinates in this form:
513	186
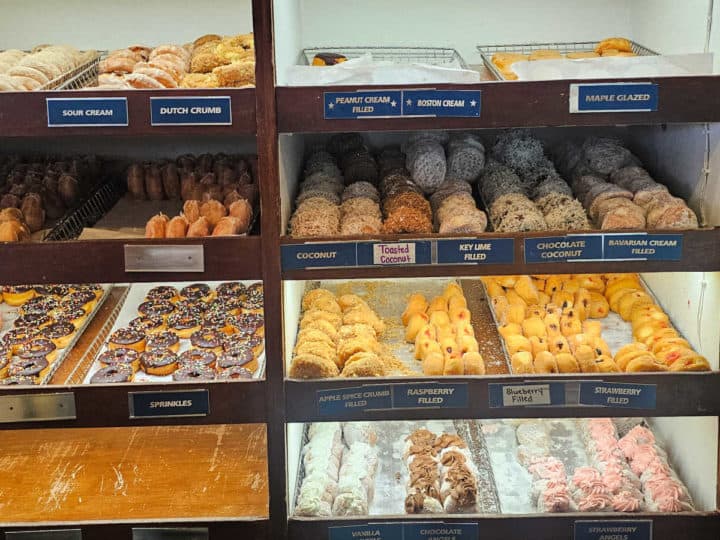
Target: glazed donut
127	338
178	63
159	363
197	291
183	324
234	372
19	381
39	305
37	348
115	357
148	325
117	64
141	81
198	356
161	76
167	66
34	367
119	373
170	49
163	292
208	340
194	372
33	320
164	341
60	333
156	309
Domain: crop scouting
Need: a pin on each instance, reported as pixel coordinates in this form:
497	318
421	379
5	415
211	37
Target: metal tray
436	56
487	51
83	76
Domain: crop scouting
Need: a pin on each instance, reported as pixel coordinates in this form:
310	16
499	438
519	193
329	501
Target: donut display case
301	269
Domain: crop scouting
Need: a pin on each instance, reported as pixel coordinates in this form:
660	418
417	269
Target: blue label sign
476	251
190	111
394	253
630	396
299	256
621	530
433	530
643	247
350	400
543	394
442	103
373	531
618	97
431	395
363	104
169	404
87	112
581	247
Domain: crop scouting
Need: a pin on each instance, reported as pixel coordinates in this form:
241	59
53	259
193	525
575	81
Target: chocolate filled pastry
159	363
177	227
156	309
154	183
205	358
127	338
170	180
117	357
156	226
32	367
136	181
148	325
207	339
164	341
114	374
37	348
328	59
194	372
234	373
199	229
60	333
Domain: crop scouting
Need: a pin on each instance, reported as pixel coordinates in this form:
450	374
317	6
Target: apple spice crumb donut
159	363
115	357
198	356
194	372
113	374
164	341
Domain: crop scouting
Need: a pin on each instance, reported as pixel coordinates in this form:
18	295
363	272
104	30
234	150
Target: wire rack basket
82	76
88	213
436	56
487	51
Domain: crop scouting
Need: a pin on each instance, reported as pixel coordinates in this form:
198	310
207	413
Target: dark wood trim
103	261
678	394
690	526
701	253
107	406
23	114
508	104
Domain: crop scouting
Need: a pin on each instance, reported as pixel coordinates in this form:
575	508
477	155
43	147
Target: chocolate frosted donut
159	363
190	307
235	354
251	321
78	299
52	290
234	372
197	291
18	336
58	330
163	292
214	320
183	321
163	341
127	337
40	305
207	339
230	288
194	372
156	308
198	356
146	325
28	367
73	315
19	381
32	320
119	373
115	357
36	348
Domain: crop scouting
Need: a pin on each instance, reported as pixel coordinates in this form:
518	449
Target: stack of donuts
20	70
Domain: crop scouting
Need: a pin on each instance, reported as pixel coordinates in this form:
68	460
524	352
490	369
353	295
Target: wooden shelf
131	475
23	114
694	526
682	394
700	253
506	105
103	261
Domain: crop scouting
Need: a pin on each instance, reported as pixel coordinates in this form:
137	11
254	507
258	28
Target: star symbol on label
408	102
473	103
393	103
331	105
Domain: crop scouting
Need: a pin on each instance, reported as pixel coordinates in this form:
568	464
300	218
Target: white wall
670	26
107	24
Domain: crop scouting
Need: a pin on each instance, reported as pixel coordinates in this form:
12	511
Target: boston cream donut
165	341
194	372
127	338
120	373
159	363
117	357
60	333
